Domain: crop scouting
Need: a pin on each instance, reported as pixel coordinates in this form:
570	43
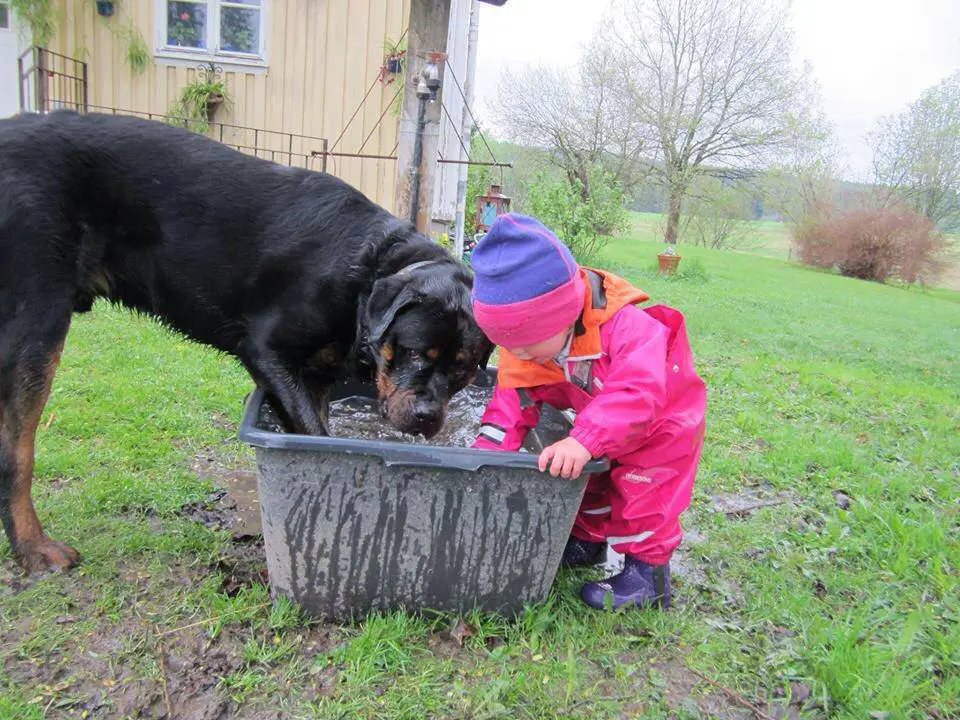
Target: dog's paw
46	554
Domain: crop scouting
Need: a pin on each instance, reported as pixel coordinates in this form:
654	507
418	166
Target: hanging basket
394	64
214	101
667	263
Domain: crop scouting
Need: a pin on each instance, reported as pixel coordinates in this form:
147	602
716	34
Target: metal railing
51	81
285	148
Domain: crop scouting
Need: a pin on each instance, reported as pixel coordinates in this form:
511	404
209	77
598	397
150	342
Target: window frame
213	51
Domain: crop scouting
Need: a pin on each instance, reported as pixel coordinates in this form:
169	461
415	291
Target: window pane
4	16
240	30
186	24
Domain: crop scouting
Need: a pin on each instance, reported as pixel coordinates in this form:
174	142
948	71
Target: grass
769	238
817	385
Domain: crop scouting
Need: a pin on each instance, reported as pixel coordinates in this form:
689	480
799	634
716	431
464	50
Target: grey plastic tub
351	526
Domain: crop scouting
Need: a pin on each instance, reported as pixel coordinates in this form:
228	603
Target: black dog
295	273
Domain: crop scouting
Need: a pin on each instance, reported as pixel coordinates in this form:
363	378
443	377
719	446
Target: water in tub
359	417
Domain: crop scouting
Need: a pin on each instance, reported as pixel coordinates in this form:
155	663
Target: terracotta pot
668	263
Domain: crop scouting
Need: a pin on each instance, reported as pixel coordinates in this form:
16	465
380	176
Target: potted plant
668	261
394	60
198	102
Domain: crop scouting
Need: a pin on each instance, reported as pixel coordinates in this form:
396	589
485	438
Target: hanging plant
394	60
38	15
199	100
138	54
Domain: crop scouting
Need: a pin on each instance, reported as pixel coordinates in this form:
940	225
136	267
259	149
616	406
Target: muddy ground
107	680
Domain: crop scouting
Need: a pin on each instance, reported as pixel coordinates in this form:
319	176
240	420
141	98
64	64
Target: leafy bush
875	241
586	226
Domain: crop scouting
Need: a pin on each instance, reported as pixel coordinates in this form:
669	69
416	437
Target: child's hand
568	457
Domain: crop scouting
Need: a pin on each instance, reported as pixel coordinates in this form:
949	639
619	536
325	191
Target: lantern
490	206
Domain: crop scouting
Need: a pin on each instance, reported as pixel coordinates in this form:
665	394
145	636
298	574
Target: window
4	15
228	30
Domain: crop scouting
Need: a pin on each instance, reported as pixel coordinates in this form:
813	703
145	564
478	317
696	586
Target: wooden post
429	20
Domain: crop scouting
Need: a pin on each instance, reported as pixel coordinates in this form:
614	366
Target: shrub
875	241
584	225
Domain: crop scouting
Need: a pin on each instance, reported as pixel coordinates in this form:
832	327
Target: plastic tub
351	525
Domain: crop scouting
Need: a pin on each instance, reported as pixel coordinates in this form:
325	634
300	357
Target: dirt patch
235	504
745	502
107	673
682	689
242	564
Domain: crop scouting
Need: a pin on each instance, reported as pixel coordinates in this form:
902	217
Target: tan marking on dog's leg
32	547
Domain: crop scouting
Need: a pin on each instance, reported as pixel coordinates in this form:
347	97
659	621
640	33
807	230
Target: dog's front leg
297	408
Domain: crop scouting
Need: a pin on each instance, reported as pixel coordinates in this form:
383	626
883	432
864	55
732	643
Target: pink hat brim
532	321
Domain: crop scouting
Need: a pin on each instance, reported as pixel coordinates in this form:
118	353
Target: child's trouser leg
587	544
636	511
645	508
594	512
644	525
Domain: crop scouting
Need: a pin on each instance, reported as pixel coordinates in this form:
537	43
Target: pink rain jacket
638	400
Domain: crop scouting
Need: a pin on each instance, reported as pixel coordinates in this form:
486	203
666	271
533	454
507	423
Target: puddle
234	505
243	500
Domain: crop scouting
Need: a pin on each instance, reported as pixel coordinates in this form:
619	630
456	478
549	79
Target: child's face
543	351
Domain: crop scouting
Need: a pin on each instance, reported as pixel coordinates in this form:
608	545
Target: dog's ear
389	297
488	348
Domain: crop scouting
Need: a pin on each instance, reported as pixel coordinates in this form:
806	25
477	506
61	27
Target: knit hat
526	286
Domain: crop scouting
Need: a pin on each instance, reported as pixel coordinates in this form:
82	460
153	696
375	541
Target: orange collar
604	296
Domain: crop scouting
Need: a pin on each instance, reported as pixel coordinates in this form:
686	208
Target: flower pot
105	7
394	65
213	102
668	263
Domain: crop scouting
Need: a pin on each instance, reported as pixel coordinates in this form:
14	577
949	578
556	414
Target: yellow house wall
322	56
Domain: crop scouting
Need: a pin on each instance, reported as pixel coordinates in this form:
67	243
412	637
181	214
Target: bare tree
718	214
802	175
577	115
917	153
711	79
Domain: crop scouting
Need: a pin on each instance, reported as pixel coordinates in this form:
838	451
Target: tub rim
393	453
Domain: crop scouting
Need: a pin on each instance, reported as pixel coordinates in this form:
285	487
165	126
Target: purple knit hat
526	286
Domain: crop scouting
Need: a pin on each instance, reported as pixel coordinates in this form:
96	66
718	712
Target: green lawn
772	239
834	406
763	237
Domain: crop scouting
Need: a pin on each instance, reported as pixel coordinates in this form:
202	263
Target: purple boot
638	584
582	552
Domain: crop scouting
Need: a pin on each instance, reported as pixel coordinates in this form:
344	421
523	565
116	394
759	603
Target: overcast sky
870	57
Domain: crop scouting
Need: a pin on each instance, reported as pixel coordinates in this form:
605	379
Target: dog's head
425	343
